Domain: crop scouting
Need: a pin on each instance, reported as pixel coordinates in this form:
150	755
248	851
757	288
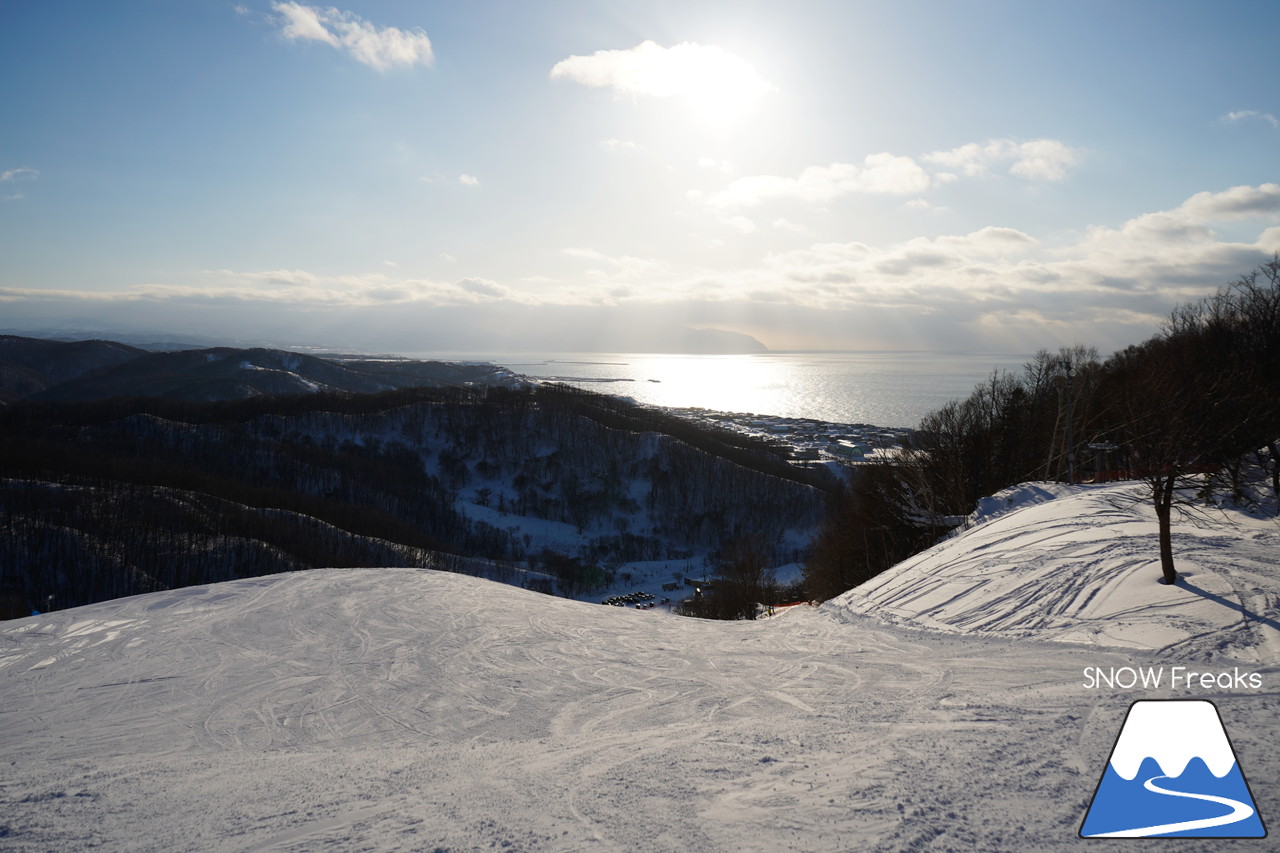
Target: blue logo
1172	773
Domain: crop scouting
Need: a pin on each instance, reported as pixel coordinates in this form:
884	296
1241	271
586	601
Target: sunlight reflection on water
881	388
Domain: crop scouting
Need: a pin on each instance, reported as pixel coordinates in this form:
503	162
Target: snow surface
400	709
1080	564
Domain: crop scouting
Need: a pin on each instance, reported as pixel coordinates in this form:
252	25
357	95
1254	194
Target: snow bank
1079	564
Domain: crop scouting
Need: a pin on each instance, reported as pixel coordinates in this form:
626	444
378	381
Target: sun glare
720	86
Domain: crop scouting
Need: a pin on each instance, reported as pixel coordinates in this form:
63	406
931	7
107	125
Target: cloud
378	47
1000	287
484	287
1043	160
619	145
879	173
14	176
917	270
304	23
301	289
469	180
996	288
708	76
305	289
1236	203
1250	115
611	277
925	204
586	254
10	175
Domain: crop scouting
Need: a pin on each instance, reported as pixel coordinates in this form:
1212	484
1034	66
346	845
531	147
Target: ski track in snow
397	709
1077	564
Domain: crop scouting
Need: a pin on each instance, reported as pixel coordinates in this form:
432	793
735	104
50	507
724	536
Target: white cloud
1235	203
14	176
650	69
991	240
469	180
377	47
9	175
611	275
711	78
296	287
879	173
1046	160
1250	115
998	287
485	288
619	145
1002	287
586	254
925	204
304	23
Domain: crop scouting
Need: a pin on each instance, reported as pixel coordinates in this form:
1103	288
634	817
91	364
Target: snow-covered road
399	709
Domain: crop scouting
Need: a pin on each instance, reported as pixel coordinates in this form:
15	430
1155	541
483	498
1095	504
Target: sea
888	389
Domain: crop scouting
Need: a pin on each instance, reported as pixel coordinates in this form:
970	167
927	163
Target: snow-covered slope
1080	564
395	709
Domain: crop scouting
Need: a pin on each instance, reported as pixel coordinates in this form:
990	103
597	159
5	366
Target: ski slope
1079	564
400	709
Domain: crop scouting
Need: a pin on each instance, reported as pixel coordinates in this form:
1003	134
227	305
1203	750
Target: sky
562	176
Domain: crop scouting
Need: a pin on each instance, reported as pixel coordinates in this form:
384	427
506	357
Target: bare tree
1201	395
745	579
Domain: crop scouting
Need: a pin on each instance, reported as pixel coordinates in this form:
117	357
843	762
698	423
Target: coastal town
812	442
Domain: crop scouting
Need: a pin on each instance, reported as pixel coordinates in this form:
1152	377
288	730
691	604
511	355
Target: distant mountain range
46	370
687	341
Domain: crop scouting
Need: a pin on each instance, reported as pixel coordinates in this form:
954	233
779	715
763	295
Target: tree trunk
1163	489
1275	475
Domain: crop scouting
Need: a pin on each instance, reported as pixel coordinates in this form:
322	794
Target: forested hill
547	487
37	369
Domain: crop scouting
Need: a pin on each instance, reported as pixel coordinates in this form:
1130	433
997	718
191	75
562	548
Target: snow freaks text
1172	677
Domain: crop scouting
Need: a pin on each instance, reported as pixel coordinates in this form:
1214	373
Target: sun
720	86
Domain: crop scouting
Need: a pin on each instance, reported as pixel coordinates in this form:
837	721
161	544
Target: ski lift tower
1100	449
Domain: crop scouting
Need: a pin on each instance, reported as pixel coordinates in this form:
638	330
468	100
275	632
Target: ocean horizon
889	389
